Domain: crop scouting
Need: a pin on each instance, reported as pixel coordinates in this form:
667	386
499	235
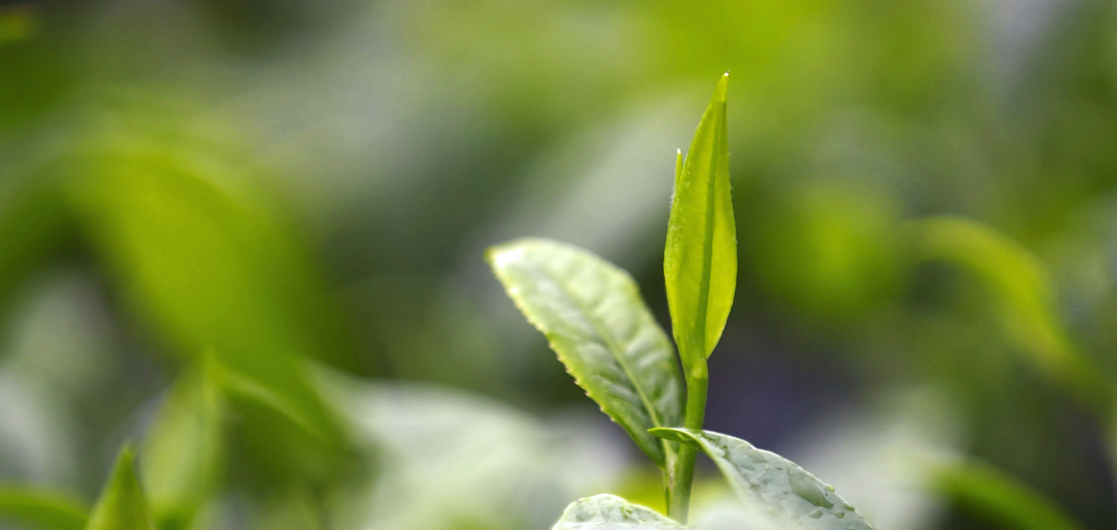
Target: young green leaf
700	259
49	511
122	505
985	490
770	481
609	512
595	320
182	451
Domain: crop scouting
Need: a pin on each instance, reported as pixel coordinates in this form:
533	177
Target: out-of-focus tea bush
246	236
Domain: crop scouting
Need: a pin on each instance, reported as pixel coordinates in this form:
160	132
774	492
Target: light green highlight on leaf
40	509
678	164
999	498
767	481
122	505
609	512
700	258
597	323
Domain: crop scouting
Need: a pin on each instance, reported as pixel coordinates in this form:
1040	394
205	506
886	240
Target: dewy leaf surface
122	505
767	481
700	258
595	320
609	512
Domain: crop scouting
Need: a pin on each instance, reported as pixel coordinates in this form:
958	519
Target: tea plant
303	426
595	320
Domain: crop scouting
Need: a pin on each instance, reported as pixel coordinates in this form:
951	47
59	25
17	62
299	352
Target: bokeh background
247	236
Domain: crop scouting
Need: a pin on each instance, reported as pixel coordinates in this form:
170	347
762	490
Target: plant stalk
682	473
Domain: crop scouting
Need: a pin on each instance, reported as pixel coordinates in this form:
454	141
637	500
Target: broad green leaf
608	512
770	482
122	505
595	320
38	509
700	259
182	452
1025	296
1000	498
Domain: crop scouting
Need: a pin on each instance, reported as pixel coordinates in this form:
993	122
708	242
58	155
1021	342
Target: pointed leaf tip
700	256
122	505
722	90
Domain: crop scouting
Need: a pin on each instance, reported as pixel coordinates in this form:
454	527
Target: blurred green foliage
206	205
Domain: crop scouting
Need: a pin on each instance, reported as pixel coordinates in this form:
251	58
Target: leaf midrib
708	249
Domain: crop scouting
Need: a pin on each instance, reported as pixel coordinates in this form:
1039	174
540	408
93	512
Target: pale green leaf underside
767	481
700	258
609	512
122	505
595	320
38	509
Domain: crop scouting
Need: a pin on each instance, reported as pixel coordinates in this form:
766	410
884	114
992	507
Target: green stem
682	474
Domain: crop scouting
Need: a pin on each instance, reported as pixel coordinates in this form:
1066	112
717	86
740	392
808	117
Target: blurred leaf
700	260
295	510
1025	294
16	23
595	320
182	453
211	271
770	482
433	446
122	505
608	512
824	251
46	510
999	497
732	516
872	454
644	486
34	223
